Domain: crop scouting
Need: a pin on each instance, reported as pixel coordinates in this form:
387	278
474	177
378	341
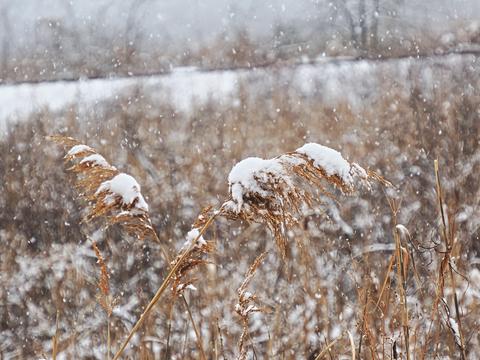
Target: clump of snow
247	295
403	230
245	175
328	159
182	287
333	163
260	177
192	235
95	160
77	149
127	188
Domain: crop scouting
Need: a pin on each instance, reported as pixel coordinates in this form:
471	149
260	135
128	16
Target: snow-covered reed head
109	193
270	191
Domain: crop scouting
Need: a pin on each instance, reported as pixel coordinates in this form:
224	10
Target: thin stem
164	286
108	339
185	340
55	337
352	344
221	339
327	348
170	315
401	275
449	246
403	297
197	333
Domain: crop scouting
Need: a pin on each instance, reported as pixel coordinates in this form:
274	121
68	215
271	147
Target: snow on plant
126	189
199	249
269	190
110	194
266	191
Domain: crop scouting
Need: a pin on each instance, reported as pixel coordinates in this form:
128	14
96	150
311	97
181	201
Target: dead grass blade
446	263
171	274
247	305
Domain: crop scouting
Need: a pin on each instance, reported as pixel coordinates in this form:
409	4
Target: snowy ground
331	80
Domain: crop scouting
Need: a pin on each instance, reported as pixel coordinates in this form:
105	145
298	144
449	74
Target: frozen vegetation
319	208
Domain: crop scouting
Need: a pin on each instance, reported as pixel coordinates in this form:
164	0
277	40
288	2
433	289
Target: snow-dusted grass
263	191
342	274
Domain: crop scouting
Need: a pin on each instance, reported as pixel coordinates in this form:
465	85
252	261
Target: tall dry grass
262	191
344	273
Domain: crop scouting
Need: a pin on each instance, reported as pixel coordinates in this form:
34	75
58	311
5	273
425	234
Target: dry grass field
303	265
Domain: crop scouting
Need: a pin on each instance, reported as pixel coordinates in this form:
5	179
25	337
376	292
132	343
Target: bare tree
374	27
132	36
362	20
5	21
362	24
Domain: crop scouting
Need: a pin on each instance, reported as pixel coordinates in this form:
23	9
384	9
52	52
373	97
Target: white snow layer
328	159
192	235
243	177
96	160
248	175
77	149
456	331
127	188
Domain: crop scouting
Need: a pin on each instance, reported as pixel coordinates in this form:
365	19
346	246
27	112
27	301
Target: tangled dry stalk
247	304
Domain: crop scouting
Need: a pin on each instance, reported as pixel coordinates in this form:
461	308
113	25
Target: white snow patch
96	160
455	329
127	188
244	176
77	149
247	295
191	287
192	235
328	159
403	230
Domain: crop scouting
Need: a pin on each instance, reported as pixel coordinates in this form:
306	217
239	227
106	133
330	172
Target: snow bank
334	81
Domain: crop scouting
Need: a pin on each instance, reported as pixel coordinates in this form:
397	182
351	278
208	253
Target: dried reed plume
104	298
247	304
196	250
110	194
270	191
